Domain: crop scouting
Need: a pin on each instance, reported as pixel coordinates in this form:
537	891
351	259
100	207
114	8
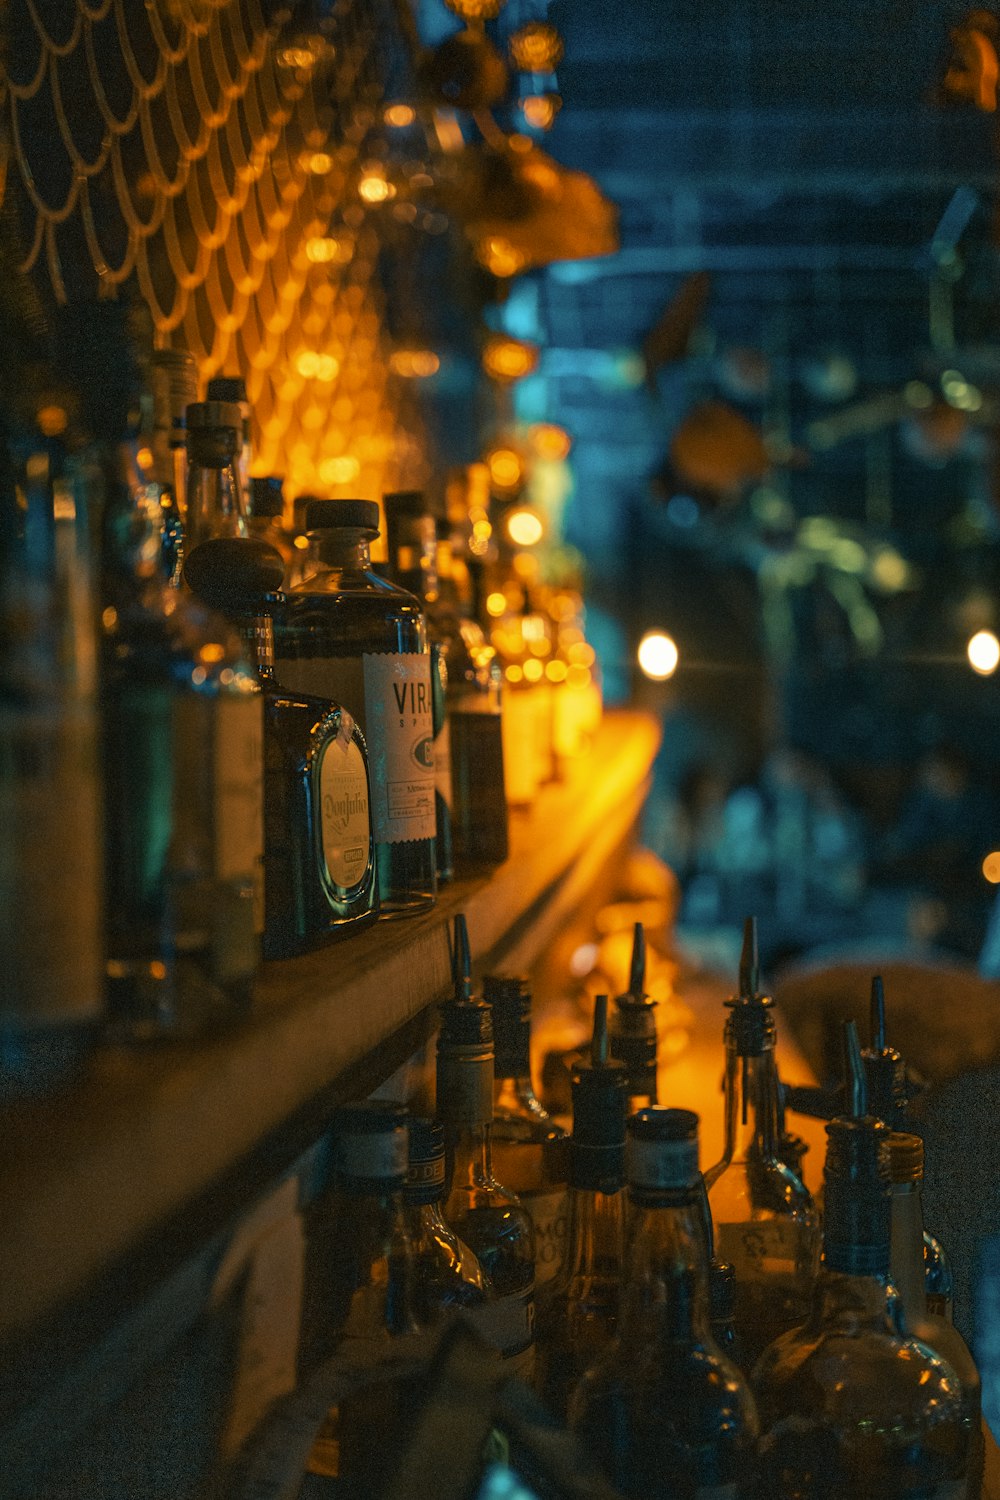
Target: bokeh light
983	652
657	655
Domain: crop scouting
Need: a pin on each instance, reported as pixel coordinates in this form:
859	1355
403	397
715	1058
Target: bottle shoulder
761	1188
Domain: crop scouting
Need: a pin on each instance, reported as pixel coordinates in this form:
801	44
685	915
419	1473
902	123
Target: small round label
345	816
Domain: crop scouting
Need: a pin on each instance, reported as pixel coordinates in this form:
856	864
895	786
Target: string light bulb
536	47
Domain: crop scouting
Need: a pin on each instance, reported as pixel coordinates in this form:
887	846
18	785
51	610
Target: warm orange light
475	10
399	115
533	670
496	604
536	47
339	470
329	249
983	652
505	468
513	673
414	364
991	867
296	57
374	188
551	442
320	162
525	528
307	363
212	651
582	653
144	457
509	359
658	656
556	671
540	110
302	542
52	420
500	256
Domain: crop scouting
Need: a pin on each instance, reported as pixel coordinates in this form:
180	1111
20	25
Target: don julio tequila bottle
349	636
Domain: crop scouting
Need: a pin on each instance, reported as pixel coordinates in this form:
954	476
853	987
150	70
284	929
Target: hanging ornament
467	72
536	47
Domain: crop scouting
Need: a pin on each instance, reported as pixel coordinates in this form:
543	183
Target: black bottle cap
266	498
234	574
406	503
884	1068
371	1147
510	998
323	515
600	1108
856	1204
203	416
750	1024
661	1152
226	388
425	1174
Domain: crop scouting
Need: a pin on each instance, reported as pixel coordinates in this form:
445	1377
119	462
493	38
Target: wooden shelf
91	1175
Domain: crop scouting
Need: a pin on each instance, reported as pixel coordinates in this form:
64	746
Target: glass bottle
364	1260
663	1411
888	1100
447	1274
173	379
633	1039
475	713
51	989
530	1151
233	391
412	542
581	1316
722	1308
481	1211
906	1266
765	1223
347	635
266	508
850	1403
182	724
216	501
320	881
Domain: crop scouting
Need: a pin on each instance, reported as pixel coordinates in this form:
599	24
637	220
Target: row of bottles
701	1334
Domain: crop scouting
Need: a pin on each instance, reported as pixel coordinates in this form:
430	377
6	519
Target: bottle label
239	795
50	868
400	733
660	1164
549	1216
760	1248
345	814
508	1323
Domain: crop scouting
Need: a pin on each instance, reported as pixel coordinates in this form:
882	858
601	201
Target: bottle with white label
663	1411
487	1216
530	1151
182	724
766	1226
347	635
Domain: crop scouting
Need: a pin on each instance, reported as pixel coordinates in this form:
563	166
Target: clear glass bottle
173	379
51	981
320	881
447	1274
906	1267
633	1038
411	538
216	501
348	635
365	1267
581	1315
266	508
765	1223
485	1214
182	726
530	1151
233	391
851	1404
663	1411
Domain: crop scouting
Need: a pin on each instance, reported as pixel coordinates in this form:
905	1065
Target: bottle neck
751	1088
340	547
906	1249
132	526
595	1238
513	1093
849	1302
666	1274
215	504
381	1255
471	1151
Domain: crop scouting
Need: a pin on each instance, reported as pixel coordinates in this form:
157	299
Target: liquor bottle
478	805
447	1274
765	1222
851	1404
266	507
530	1151
888	1100
663	1411
182	722
480	1210
581	1315
906	1268
411	538
173	379
320	881
51	960
232	390
722	1308
348	635
368	1271
633	1040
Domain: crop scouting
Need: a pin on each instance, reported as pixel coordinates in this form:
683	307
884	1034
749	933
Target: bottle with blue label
349	636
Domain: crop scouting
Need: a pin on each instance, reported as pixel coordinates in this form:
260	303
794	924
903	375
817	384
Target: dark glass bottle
722	1308
486	1216
906	1268
765	1223
633	1039
266	507
51	982
447	1274
530	1151
173	379
320	880
216	501
581	1315
412	542
348	635
182	722
850	1404
233	391
663	1411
